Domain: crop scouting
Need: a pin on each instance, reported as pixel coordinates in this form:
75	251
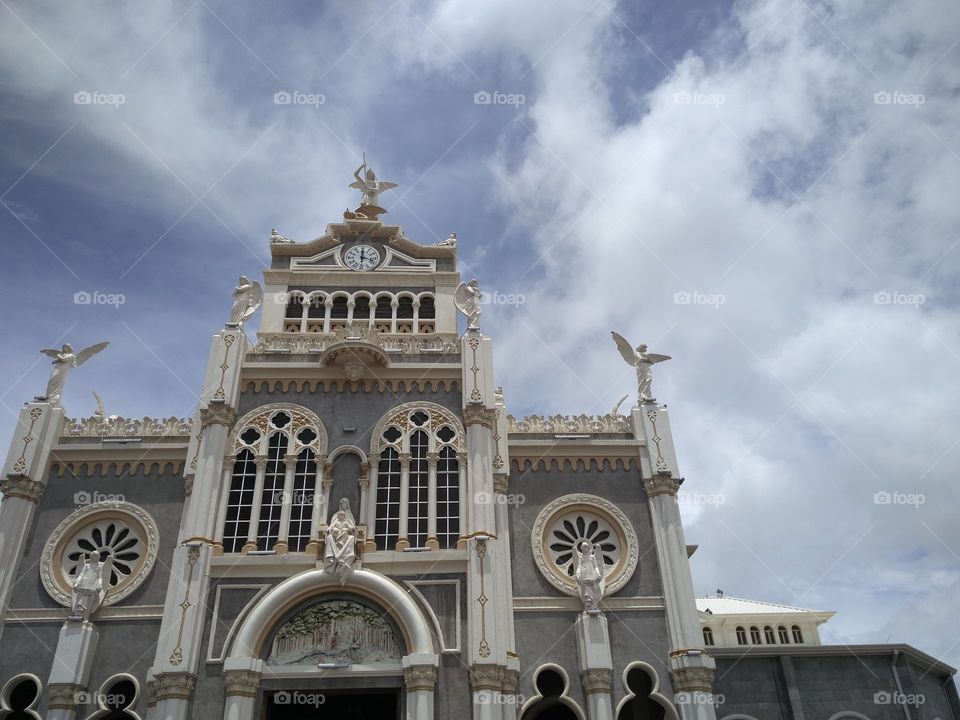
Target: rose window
569	532
105	539
567	522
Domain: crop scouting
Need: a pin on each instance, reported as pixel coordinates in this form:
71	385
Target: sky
766	191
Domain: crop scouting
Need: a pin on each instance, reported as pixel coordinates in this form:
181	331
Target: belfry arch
245	667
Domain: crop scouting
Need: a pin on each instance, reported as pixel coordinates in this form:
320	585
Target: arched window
797	635
783	635
270	503
20	696
755	636
361	308
741	636
405	307
427	309
316	312
708	636
418	478
768	635
338	311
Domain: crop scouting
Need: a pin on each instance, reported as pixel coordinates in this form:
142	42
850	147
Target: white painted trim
670	712
573	604
564	698
231	631
122	612
10	684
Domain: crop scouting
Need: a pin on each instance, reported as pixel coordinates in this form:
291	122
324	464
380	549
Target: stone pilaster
596	664
420	681
245	683
691	669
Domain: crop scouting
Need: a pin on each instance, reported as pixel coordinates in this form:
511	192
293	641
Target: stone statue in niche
642	361
588	573
64	359
340	543
89	587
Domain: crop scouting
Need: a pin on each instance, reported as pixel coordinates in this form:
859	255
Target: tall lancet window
418	478
272	492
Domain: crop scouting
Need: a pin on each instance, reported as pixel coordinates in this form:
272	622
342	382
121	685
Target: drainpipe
896	677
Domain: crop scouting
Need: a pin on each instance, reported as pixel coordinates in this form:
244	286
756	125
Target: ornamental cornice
592	424
23	488
172	686
245	683
420	677
63	696
115	426
217	414
486	676
663	483
383	385
295	343
479	415
596	680
692	679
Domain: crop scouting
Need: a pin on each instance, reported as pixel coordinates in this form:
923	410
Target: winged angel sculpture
642	361
467	298
64	359
370	188
247	298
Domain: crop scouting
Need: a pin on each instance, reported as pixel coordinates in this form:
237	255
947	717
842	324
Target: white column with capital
178	652
596	664
691	669
23	482
420	682
241	680
70	672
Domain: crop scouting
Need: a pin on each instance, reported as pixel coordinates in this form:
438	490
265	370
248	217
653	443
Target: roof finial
370	189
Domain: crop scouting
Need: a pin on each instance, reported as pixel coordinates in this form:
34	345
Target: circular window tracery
118	532
562	525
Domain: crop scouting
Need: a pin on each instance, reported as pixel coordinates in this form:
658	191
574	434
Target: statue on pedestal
589	576
468	298
642	361
340	543
63	360
89	588
370	189
247	299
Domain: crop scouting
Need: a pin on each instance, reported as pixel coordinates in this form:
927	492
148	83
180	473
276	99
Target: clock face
361	257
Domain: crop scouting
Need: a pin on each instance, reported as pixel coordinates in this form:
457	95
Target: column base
281	548
247	547
433	543
402	544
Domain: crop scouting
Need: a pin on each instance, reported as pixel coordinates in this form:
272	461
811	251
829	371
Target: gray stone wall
161	495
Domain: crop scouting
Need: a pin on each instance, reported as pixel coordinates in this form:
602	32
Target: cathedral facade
353	525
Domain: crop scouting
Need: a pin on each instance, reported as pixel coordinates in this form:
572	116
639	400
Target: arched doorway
312	648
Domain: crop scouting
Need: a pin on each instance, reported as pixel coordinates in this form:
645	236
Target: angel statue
468	299
247	299
89	587
589	576
63	360
340	543
642	361
370	189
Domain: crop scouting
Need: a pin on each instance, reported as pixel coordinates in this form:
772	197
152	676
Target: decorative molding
399	416
367	385
171	686
638	603
217	414
581	463
592	424
20	466
659	463
245	683
511	680
483	649
51	563
692	679
582	503
596	680
486	676
311	343
259	418
91	468
193	554
23	488
663	483
63	696
115	426
120	612
261	590
420	677
501	483
475	414
474	342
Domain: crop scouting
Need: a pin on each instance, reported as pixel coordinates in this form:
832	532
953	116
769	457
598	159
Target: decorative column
691	669
405	457
420	682
70	673
24	479
241	679
319	509
371	508
254	527
178	650
432	541
224	501
290	466
596	664
363	482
